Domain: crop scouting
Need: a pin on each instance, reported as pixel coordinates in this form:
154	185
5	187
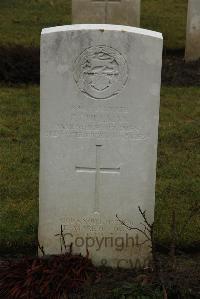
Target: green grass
22	20
168	17
177	174
178	181
19	161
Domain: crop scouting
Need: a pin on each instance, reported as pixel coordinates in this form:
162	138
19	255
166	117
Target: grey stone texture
100	96
192	50
120	12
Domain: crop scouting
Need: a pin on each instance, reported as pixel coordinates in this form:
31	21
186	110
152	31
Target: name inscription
110	122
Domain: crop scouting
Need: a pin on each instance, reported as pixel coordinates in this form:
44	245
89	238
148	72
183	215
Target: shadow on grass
19	65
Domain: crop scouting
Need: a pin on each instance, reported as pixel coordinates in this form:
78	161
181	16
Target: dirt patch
19	65
176	72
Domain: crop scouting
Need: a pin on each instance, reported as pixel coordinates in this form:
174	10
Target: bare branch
143	213
143	242
41	248
149	235
62	239
145	227
133	228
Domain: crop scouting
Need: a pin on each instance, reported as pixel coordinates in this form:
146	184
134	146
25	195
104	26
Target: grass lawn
22	20
168	17
19	161
178	181
177	174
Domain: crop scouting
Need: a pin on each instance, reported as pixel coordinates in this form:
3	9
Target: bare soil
176	72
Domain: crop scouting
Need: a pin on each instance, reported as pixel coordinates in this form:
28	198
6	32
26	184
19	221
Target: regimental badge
100	72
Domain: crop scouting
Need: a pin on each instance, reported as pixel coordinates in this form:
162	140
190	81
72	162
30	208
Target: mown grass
177	175
168	17
19	161
22	20
178	181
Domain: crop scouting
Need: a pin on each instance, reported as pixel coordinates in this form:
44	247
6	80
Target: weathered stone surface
122	12
192	51
100	94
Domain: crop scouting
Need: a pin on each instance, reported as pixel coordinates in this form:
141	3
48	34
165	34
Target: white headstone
100	94
192	51
121	12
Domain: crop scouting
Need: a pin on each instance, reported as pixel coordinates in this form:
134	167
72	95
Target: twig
133	228
145	227
41	248
149	237
62	239
143	213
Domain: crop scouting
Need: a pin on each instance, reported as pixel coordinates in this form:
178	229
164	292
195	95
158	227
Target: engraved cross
98	170
106	2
